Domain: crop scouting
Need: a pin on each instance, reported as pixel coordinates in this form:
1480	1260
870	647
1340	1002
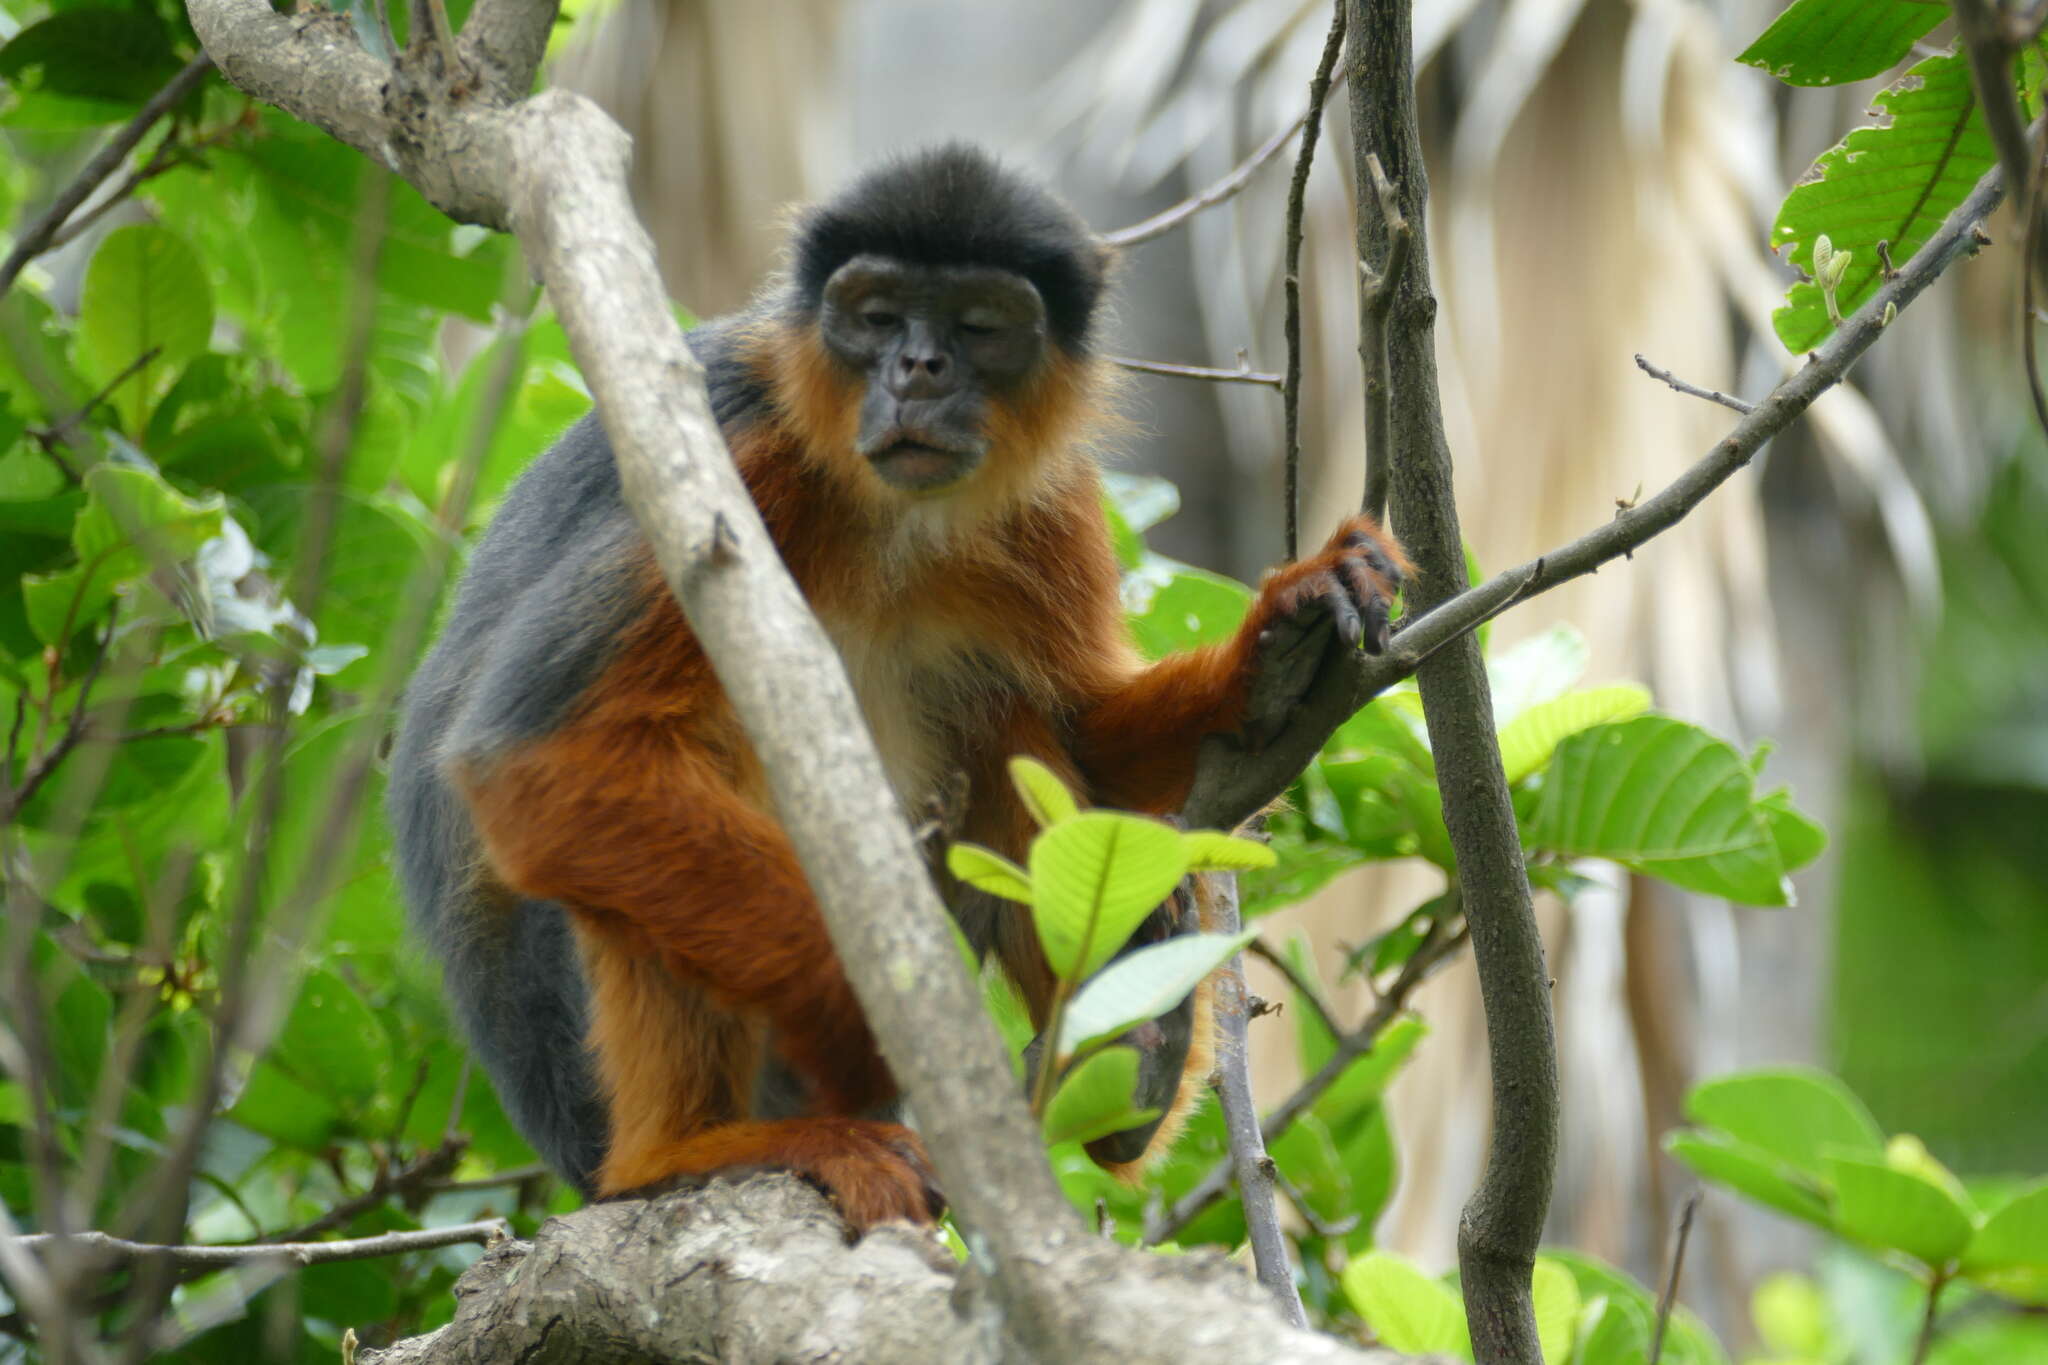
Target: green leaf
1175	607
274	1104
1532	671
1667	799
1143	500
2014	1236
986	870
132	523
1556	1296
1827	42
333	1042
145	291
1527	742
1041	790
1365	1081
1406	1309
1612	1332
1897	1210
1799	1115
1144	985
1214	851
1894	184
1094	879
1753	1172
122	56
1094	1100
1799	838
1791	1315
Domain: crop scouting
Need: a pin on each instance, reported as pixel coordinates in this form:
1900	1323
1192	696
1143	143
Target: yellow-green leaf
986	870
1041	790
1213	851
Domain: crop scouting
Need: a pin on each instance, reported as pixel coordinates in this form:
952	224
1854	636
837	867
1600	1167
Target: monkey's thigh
670	1060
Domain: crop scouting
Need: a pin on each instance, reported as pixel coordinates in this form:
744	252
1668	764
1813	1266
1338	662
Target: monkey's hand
873	1172
1312	616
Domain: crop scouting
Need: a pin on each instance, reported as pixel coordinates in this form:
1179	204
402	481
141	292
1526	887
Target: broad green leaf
1791	1315
1143	500
145	291
1893	184
1753	1172
131	524
1043	794
1667	799
1095	1099
118	55
2014	1236
1094	878
1212	850
1827	42
1175	607
281	1108
1532	671
1365	1081
986	870
333	1042
1307	1156
1687	1342
1612	1332
1799	838
1366	1147
1144	985
1799	1115
1897	1210
1406	1309
1556	1296
1527	742
1908	1154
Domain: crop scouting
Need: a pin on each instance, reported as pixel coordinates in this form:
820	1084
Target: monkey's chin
922	470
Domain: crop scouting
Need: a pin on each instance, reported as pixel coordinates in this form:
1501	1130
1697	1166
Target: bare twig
1304	989
114	1251
47	762
1711	395
1290	277
1243	374
1669	1299
1377	290
1319	1225
1232	781
1256	1172
1224	190
415	1177
1434	950
1980	26
514	1175
59	431
35	239
1924	1342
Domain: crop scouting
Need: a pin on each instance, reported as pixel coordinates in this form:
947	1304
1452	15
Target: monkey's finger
1350	628
1379	630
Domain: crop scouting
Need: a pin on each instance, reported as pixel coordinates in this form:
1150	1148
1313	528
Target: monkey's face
934	348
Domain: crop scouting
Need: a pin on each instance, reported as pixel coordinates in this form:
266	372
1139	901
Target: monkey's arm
1138	742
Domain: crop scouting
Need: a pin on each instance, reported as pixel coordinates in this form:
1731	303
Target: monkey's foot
874	1172
1314	612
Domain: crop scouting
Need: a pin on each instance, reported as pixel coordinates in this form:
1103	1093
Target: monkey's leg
641	821
677	1072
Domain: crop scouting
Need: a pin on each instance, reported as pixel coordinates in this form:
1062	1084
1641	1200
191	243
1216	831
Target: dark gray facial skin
934	344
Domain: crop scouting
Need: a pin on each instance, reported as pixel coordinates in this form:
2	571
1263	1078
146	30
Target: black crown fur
954	205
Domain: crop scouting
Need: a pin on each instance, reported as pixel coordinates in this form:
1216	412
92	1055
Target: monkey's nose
923	376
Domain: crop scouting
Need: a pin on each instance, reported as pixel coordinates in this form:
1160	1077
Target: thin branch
1669	1299
1924	1342
1256	1173
415	1177
1243	374
1435	949
1232	781
1222	191
59	432
115	1251
515	1175
46	763
1319	1225
1377	290
1297	198
1979	25
2030	319
1304	989
35	240
1740	405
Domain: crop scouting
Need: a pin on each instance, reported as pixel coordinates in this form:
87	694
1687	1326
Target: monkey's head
947	308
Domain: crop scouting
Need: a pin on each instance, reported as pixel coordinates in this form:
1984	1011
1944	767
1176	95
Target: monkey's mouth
916	466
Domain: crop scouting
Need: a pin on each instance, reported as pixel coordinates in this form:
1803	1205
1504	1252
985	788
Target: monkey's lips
917	467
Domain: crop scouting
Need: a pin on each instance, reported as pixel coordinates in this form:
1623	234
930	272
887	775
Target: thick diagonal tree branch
552	169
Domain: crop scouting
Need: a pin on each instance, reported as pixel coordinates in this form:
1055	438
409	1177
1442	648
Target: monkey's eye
881	319
978	329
